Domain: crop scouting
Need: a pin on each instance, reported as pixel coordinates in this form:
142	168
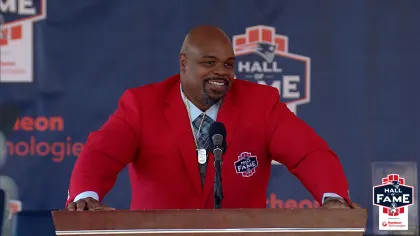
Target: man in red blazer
152	132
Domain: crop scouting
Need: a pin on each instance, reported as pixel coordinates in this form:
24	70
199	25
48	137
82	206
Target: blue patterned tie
203	140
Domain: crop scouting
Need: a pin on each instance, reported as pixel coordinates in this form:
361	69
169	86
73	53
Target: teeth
217	83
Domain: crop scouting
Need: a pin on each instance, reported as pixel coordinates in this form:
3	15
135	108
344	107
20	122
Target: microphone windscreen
217	128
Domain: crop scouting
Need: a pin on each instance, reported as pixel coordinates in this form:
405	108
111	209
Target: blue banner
347	68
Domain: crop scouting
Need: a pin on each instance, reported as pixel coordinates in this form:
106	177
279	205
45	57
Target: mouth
217	85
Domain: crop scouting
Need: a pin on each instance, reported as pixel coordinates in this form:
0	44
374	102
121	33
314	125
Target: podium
218	222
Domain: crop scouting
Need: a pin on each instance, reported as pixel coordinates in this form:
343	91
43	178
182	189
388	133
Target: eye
229	65
209	63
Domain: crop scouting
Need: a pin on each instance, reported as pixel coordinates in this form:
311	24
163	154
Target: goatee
208	101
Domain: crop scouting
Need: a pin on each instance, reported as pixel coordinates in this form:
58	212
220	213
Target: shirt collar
195	111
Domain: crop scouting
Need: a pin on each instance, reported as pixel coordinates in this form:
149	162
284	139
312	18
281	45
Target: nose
222	71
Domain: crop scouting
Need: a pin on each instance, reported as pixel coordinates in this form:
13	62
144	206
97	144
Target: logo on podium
393	198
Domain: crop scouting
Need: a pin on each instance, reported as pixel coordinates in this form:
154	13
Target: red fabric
150	131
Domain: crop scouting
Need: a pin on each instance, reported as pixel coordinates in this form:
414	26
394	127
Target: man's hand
333	203
88	204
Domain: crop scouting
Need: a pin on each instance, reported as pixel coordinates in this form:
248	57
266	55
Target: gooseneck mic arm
218	146
218	191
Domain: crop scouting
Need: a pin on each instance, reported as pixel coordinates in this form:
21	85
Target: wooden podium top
211	222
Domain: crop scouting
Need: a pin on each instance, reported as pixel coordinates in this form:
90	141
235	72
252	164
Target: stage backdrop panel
348	68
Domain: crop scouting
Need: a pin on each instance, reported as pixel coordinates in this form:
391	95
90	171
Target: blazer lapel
177	117
229	115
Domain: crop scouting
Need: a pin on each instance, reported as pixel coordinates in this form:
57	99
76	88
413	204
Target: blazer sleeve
108	150
306	155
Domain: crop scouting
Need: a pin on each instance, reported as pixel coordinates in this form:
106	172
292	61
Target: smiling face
206	66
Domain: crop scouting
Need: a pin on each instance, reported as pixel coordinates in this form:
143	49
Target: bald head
200	36
206	65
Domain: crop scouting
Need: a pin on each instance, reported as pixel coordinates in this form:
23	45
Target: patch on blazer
246	164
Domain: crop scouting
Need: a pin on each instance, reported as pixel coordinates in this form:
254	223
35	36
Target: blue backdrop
363	100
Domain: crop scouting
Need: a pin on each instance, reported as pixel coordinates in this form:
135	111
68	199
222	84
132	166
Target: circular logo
384	224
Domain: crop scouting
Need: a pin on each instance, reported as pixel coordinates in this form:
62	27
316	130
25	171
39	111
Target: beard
207	99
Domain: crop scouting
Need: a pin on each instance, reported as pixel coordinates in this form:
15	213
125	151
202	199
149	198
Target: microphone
217	132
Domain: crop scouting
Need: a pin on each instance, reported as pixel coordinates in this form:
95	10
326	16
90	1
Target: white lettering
405	198
290	86
23	7
275	68
256	67
243	66
397	199
379	198
8	6
390	190
266	68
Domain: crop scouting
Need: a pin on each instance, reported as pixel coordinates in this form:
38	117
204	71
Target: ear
183	62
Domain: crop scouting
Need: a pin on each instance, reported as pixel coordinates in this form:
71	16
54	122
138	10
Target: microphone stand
218	192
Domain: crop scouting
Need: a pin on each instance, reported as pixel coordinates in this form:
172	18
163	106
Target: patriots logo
393	207
396	184
267	51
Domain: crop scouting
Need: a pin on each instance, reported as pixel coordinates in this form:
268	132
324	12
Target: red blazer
150	131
